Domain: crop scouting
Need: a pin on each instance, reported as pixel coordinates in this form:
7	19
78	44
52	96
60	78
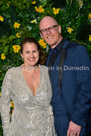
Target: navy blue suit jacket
76	84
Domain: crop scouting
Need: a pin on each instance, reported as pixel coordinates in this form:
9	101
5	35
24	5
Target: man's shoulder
75	46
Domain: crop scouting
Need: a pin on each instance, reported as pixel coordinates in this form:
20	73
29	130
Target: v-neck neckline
30	90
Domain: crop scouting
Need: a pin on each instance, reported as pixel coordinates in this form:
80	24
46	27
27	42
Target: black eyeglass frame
45	30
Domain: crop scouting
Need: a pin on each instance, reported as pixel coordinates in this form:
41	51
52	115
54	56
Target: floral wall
20	19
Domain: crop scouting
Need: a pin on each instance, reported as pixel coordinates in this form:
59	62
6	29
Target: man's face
50	31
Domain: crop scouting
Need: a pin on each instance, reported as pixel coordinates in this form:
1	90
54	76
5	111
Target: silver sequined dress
32	115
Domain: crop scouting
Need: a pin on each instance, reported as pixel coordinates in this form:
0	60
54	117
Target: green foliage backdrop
20	19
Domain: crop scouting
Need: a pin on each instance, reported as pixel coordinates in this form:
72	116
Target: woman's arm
7	86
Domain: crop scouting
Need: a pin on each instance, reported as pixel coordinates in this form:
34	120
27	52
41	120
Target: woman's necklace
33	69
33	75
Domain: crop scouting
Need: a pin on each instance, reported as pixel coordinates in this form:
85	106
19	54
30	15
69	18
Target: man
72	101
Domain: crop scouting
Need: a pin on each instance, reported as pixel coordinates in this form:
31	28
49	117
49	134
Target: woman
29	87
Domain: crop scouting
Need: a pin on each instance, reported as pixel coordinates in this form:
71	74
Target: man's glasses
50	29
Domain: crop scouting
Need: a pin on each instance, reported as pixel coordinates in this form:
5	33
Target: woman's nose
31	55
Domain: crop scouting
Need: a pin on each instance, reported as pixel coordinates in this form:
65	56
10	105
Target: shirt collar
60	45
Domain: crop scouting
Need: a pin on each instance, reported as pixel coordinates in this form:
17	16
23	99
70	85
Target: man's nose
48	31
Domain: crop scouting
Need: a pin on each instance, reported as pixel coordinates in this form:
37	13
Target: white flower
80	2
34	21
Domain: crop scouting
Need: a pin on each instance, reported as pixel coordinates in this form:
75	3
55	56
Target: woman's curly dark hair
42	55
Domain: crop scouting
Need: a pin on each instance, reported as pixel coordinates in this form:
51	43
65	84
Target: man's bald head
47	21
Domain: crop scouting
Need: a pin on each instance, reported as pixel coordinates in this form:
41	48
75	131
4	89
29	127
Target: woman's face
30	54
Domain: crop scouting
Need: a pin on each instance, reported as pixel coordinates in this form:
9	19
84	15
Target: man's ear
59	28
41	35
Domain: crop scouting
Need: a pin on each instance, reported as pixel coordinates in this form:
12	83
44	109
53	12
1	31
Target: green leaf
6	49
67	1
12	37
43	2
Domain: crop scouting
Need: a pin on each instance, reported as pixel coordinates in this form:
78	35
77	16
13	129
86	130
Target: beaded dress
32	115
